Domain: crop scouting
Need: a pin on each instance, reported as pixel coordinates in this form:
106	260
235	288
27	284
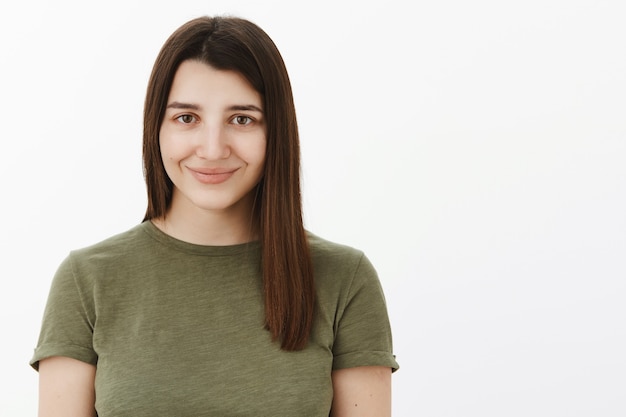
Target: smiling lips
212	175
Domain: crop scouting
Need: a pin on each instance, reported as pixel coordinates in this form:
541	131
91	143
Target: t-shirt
177	329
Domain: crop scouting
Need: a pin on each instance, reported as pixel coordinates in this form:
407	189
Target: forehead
195	81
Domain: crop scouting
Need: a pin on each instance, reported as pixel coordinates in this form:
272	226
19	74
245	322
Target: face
212	140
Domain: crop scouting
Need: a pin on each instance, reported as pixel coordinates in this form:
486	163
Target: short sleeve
67	325
363	336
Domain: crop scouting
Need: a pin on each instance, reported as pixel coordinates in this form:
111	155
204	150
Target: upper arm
66	388
364	391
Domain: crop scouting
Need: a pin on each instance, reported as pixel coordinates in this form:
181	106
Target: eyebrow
179	105
235	107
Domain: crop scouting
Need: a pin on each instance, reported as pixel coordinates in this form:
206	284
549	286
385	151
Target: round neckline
182	246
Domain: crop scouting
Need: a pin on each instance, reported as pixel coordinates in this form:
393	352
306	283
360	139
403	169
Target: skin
66	388
213	147
364	391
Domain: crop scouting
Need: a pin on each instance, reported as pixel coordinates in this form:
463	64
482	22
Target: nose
213	143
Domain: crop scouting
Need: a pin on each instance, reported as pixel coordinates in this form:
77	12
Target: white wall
474	150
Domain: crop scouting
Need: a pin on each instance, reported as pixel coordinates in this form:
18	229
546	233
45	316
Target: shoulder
338	262
114	247
328	251
85	267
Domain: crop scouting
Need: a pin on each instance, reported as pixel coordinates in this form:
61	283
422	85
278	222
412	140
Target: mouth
212	175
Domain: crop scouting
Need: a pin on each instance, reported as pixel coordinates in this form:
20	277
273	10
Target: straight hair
235	44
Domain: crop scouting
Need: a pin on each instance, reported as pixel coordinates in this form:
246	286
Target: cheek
259	152
169	152
166	145
165	153
251	151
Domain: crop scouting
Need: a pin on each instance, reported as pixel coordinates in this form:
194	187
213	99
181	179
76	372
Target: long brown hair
229	43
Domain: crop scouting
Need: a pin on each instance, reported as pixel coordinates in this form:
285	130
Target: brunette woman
219	303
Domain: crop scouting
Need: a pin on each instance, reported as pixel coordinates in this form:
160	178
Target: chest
194	344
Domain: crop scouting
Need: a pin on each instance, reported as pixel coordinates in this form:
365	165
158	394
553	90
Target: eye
186	119
242	120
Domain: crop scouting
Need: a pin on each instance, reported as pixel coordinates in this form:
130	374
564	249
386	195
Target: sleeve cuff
71	351
352	360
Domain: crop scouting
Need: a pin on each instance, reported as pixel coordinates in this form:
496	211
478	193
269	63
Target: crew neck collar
180	245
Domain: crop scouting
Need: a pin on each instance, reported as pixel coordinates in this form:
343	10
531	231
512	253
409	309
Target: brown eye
186	118
242	120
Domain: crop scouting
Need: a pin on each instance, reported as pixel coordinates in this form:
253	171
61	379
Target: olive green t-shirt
177	329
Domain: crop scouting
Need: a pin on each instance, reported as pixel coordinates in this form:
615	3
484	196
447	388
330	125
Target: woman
219	302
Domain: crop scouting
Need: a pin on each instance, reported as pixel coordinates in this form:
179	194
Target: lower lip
212	178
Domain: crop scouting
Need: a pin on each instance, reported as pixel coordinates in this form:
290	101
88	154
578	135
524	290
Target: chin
223	206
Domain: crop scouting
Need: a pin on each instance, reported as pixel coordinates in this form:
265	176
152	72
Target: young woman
219	302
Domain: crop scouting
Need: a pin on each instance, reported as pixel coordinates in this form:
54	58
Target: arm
364	391
66	388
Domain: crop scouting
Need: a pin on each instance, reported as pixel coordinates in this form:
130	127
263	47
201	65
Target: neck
209	227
